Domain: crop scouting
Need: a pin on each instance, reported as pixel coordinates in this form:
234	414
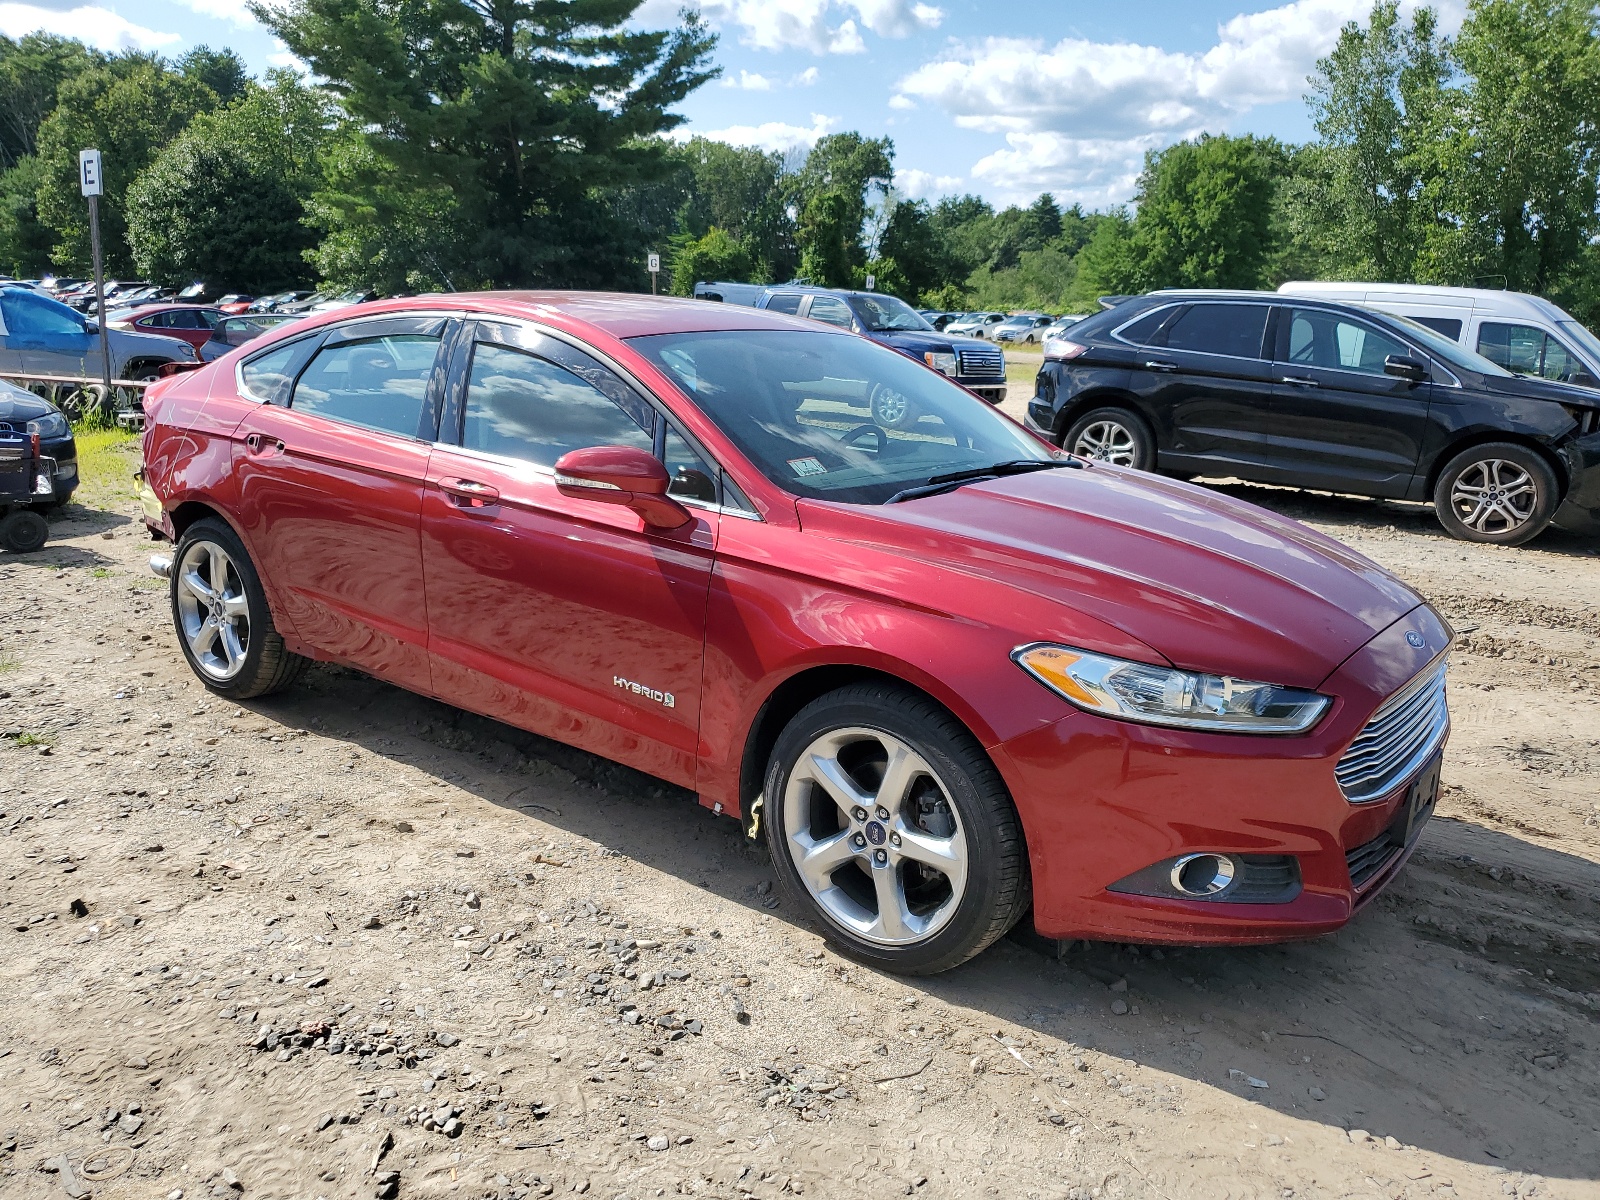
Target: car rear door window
377	383
270	376
1325	339
1143	331
1232	329
522	406
787	302
830	310
1527	350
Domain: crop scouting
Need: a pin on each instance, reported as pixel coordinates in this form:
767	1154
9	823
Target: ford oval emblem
1416	639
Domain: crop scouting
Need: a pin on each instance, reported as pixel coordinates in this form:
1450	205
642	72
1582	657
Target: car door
1338	419
330	489
563	616
45	337
1209	385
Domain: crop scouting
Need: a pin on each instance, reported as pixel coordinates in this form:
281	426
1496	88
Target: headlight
51	425
945	363
1056	346
1135	691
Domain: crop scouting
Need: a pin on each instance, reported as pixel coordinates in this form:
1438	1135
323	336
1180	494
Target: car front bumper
1580	509
1102	801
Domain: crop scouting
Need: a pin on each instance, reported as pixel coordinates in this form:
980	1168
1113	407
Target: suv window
831	310
1142	331
1527	350
377	383
786	302
1231	329
1325	339
522	406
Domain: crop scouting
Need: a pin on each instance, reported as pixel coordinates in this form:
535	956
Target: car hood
1206	582
917	342
19	404
1542	389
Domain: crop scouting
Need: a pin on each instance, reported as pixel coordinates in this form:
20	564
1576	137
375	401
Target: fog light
1202	874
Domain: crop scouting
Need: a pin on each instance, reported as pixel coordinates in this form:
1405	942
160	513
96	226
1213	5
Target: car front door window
1327	340
830	310
378	383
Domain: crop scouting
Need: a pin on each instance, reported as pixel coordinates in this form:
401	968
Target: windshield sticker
807	466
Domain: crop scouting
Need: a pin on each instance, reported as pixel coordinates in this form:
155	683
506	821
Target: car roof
1489	300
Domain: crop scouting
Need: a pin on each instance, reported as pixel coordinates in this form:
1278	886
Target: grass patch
102	573
32	739
7	662
107	459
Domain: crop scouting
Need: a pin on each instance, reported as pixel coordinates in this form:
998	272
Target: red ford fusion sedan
949	671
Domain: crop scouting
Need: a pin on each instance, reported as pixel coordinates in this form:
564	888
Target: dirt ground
544	974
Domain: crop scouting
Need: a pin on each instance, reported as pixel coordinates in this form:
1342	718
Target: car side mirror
622	475
1405	368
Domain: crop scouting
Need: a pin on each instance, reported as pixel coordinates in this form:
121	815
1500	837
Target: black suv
1315	394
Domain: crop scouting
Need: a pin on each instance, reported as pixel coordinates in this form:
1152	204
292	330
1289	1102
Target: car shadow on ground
1418	1022
1363	512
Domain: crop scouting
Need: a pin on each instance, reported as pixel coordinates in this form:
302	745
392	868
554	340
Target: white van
1521	333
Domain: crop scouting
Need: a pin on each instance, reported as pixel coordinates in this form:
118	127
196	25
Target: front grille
985	363
1369	859
1407	728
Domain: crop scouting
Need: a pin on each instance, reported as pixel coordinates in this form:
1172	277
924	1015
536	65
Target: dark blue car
975	364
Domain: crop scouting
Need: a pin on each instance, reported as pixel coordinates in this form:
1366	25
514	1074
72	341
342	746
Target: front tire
1500	493
892	409
23	530
1117	436
891	829
220	613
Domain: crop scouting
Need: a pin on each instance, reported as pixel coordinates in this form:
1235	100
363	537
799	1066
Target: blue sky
1005	99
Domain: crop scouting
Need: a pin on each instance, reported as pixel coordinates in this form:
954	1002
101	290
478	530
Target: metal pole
100	295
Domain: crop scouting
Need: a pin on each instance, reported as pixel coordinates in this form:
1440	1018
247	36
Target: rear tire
889	826
22	531
1499	493
892	409
220	613
1118	436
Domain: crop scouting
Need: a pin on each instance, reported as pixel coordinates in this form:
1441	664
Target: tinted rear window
1232	329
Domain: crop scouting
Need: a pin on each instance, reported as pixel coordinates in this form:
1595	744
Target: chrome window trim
321	332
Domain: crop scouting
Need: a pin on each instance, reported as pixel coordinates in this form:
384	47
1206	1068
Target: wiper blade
954	479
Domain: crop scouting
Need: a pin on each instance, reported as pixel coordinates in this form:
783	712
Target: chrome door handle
1299	381
469	493
258	444
1161	366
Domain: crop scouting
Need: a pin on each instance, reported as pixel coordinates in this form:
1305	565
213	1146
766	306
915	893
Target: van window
1527	350
1450	327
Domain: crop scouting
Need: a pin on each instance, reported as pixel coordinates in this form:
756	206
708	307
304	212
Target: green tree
1377	102
1108	264
717	256
1205	213
848	167
24	240
32	70
914	243
225	201
514	119
741	190
222	71
129	108
827	236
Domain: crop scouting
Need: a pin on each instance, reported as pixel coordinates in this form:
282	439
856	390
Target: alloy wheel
1494	496
1106	441
889	407
213	610
874	838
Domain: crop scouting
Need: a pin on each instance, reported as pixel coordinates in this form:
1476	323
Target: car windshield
1453	353
885	314
834	417
1587	342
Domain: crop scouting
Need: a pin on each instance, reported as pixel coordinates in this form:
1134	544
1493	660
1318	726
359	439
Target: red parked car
951	671
191	322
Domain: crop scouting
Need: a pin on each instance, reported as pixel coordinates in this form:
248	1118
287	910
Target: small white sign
655	263
872	282
89	181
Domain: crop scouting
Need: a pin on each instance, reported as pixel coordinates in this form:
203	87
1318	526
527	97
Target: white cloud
924	185
1127	96
807	77
773	135
820	26
99	27
749	81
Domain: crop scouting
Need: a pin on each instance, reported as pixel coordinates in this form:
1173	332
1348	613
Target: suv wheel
1499	492
1112	435
892	409
891	828
219	610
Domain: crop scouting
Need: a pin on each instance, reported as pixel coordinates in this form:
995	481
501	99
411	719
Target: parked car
232	332
951	674
235	302
24	414
22	477
41	336
979	368
1061	324
1315	394
939	320
272	303
978	325
1525	334
191	323
1027	328
731	293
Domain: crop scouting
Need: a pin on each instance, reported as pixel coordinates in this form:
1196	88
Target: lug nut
894	839
883	813
859	842
859	813
880	857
